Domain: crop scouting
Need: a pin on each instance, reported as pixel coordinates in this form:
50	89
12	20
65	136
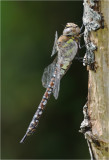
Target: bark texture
98	90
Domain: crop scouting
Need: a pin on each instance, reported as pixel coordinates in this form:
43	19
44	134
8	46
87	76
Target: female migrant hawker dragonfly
66	47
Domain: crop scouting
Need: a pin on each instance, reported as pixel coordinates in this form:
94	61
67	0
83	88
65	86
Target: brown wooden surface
98	88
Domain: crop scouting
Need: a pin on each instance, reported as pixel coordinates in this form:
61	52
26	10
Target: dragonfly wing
56	87
48	73
55	44
74	48
70	51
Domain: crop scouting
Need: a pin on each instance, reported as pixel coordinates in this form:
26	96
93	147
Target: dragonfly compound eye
71	29
67	31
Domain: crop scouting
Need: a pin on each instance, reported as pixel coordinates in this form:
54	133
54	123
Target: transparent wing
56	87
48	73
55	44
74	46
70	51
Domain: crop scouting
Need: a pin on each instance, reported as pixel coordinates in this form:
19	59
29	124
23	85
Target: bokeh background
27	31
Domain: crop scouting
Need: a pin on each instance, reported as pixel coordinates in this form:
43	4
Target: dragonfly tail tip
22	140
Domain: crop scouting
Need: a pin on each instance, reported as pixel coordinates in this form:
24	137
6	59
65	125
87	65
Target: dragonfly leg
80	47
82	27
83	45
80	59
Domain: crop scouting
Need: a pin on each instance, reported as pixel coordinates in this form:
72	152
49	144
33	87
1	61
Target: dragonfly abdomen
35	120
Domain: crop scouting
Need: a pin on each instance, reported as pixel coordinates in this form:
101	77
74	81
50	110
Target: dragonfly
66	48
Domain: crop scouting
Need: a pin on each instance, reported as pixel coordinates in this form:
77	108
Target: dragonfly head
71	29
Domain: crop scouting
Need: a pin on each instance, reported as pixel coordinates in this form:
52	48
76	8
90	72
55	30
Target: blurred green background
27	31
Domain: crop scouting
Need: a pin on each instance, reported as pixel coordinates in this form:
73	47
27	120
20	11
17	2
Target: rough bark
97	113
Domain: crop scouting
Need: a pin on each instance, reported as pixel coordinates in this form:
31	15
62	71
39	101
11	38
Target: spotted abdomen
35	120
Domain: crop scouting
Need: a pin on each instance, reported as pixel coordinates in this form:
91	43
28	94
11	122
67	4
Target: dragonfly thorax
71	29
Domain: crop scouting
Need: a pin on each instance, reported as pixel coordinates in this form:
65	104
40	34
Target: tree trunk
96	111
